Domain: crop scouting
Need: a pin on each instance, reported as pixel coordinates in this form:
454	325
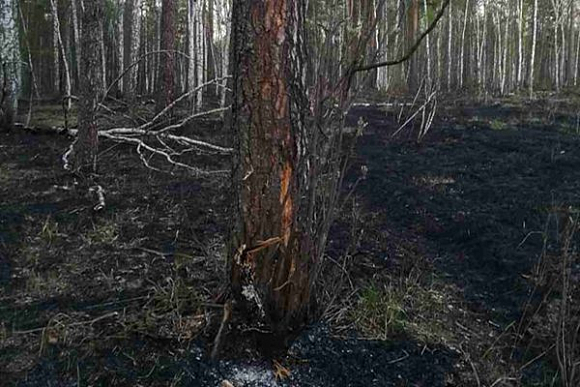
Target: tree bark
449	47
533	53
132	26
270	257
191	80
412	31
77	40
9	63
166	83
462	49
200	57
58	37
84	152
120	43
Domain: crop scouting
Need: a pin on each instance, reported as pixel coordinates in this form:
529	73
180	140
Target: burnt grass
430	268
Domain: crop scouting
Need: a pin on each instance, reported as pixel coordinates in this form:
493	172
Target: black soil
124	296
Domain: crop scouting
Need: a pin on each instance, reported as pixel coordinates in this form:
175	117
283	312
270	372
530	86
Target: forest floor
433	277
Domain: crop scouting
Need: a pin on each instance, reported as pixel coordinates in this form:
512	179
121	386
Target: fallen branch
79	323
141	144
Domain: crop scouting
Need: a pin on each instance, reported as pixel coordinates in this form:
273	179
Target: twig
217	343
89	322
406	355
412	50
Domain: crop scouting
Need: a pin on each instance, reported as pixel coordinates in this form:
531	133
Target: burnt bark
270	256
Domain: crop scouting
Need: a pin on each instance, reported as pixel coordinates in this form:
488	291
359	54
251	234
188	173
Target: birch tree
10	62
533	50
132	40
59	45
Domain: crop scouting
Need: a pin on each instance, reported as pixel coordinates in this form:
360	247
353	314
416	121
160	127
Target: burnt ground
442	242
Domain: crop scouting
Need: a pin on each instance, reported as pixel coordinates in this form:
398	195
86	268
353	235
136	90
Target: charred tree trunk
270	256
166	84
84	151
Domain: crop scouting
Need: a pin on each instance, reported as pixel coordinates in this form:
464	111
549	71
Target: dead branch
411	50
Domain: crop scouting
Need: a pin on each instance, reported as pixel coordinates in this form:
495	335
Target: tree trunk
226	54
270	257
120	43
132	26
191	80
200	59
449	47
166	83
77	43
520	43
461	55
9	63
533	53
412	31
58	37
103	52
84	152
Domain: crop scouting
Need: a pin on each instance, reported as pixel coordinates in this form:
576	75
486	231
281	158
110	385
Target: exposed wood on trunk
270	256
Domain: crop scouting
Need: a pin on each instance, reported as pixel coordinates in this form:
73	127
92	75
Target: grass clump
379	313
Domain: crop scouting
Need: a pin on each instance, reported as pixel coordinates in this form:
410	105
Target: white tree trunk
9	61
132	42
520	42
55	52
226	51
577	60
450	47
199	52
461	55
427	52
191	79
77	39
103	56
120	41
533	54
57	35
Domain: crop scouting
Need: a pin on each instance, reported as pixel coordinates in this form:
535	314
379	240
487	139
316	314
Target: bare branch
412	50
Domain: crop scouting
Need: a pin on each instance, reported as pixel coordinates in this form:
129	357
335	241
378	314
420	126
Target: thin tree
533	51
58	37
76	28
